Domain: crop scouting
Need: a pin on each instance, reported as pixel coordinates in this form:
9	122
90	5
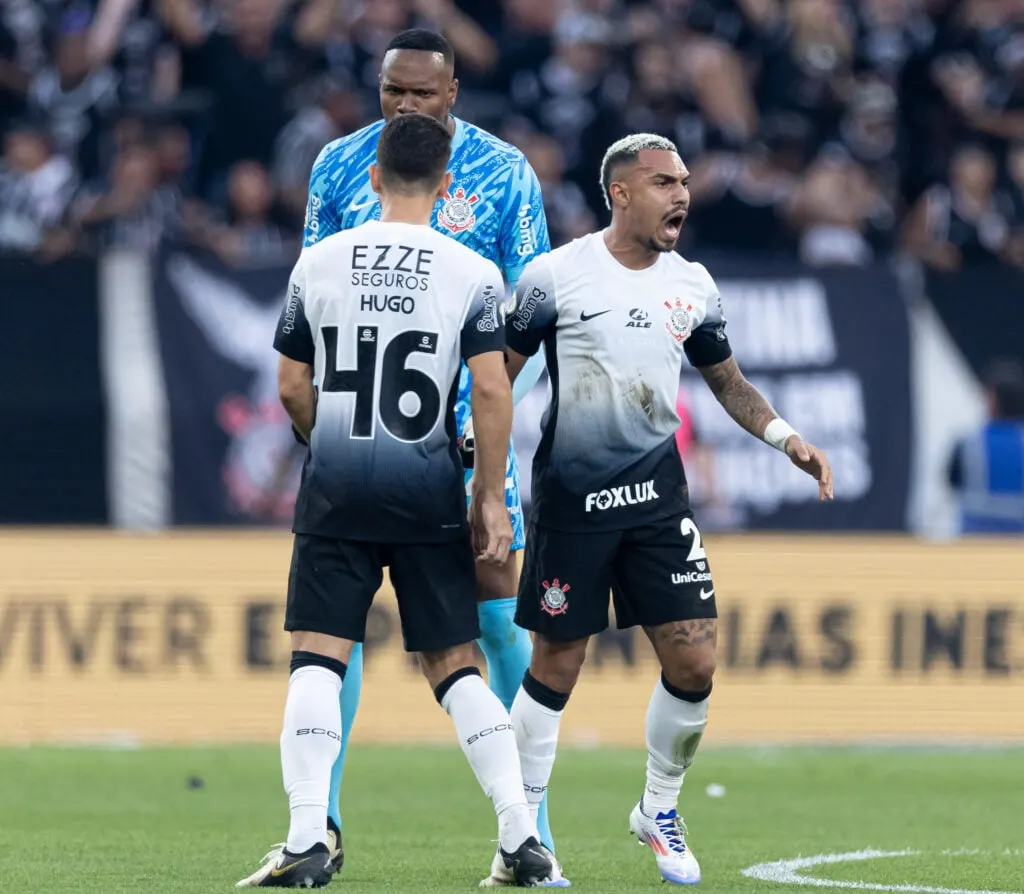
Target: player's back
386	305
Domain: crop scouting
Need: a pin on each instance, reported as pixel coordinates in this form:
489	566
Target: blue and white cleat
532	866
665	834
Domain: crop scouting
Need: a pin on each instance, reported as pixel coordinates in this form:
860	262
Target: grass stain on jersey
642	395
588	380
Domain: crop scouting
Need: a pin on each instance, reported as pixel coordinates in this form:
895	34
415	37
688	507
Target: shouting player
383	485
616	312
494	207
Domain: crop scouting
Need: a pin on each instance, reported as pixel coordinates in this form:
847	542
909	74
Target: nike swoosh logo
584	317
277	873
708	594
356	206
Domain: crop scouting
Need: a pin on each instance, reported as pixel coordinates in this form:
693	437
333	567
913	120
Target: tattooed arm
741	400
749	408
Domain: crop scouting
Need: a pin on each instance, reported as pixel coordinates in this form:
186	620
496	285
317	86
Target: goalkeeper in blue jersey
493	206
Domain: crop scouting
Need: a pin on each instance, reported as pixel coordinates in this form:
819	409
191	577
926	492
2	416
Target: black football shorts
657	573
332	583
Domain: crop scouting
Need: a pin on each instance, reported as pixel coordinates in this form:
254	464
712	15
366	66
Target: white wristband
777	432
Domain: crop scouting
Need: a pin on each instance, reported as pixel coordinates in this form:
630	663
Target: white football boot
281	869
665	834
275	859
504	871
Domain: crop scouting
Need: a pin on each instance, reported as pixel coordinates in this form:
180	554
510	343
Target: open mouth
673	225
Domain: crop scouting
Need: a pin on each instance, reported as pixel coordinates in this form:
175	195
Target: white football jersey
615	340
385	313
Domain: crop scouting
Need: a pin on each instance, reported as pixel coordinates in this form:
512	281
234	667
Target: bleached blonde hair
628	149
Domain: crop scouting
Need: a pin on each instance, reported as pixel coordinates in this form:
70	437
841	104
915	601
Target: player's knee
558	664
322	644
439	666
693	672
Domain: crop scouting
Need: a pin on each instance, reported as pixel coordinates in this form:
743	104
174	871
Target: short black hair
413	152
426	41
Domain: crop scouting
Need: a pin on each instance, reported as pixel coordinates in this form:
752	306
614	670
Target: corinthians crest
554	601
680	321
457	213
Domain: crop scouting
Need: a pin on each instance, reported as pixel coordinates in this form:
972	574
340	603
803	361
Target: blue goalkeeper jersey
494	206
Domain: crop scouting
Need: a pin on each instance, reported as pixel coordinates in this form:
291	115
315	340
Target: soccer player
494	207
616	312
382	485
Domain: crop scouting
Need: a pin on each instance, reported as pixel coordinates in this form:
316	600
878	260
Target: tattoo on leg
685	633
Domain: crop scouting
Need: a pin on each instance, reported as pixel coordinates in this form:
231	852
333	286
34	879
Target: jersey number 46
395	378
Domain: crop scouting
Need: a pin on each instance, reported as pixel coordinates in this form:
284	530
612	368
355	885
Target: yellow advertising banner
108	637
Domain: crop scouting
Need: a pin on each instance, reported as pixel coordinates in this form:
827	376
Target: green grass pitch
119	821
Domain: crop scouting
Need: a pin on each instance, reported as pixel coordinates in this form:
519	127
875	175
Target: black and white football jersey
385	313
614	340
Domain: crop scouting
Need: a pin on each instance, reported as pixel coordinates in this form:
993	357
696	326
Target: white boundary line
787	872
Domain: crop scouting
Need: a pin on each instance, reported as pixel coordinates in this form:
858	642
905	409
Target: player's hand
491	528
814	462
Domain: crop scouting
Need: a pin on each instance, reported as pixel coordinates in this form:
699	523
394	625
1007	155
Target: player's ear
453	93
618	192
446	183
375	178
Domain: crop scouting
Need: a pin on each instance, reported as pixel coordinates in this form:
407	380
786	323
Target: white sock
310	742
537	736
674	730
486	736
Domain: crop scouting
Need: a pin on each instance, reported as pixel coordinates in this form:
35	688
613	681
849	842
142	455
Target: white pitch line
787	872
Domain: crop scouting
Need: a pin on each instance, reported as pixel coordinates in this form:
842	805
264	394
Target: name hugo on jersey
391	267
626	495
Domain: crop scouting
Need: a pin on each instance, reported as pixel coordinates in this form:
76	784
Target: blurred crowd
832	130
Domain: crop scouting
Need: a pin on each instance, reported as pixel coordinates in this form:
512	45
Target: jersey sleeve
322	219
484	328
708	344
524	226
293	337
533	313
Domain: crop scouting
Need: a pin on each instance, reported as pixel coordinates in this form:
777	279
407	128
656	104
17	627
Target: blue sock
507	649
349	701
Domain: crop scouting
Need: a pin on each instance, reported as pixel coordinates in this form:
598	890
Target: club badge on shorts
554	600
679	322
457	214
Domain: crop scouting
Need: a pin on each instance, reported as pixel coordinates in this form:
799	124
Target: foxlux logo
627	495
